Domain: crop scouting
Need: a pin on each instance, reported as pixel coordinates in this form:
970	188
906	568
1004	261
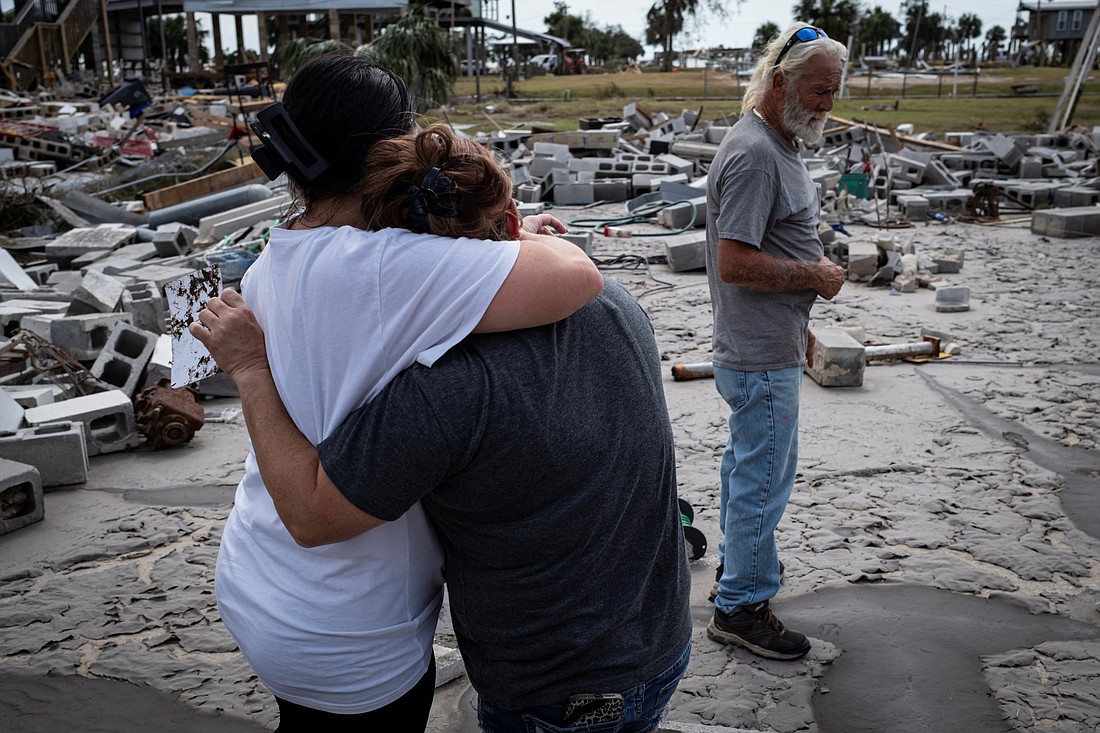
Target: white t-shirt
348	627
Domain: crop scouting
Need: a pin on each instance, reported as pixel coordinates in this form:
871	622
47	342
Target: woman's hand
229	330
542	224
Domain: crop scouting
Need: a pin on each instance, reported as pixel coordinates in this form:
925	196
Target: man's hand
229	329
542	224
810	341
830	278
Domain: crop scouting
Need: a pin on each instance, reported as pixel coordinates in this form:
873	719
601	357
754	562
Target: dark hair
479	190
343	105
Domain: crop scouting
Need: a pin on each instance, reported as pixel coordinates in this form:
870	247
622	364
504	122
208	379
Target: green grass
558	102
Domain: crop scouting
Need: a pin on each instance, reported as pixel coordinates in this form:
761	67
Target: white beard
801	122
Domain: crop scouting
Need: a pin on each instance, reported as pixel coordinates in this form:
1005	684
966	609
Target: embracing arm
746	266
309	504
551	279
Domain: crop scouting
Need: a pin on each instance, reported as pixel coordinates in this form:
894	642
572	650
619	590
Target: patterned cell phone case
596	708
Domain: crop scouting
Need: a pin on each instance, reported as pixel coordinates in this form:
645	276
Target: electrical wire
645	214
180	174
635	263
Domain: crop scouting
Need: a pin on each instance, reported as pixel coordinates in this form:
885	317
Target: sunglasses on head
805	35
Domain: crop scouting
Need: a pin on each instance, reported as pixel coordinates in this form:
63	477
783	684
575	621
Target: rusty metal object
50	362
985	202
700	370
166	416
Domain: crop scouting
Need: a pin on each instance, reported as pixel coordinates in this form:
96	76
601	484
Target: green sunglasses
805	35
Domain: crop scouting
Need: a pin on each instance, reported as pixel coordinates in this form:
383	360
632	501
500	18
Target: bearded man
766	267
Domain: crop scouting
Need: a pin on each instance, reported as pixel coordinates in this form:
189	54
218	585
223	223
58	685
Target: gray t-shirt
545	460
759	193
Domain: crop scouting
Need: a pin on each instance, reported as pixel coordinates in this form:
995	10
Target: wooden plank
915	141
201	186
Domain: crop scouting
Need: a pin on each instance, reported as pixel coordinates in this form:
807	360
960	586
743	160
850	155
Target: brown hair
480	191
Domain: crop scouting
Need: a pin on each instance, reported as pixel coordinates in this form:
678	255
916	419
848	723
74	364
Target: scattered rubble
104	203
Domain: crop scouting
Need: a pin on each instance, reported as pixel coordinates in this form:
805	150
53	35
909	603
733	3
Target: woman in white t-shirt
342	634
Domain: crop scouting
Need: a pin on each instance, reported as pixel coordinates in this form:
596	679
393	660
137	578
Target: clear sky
735	31
739	27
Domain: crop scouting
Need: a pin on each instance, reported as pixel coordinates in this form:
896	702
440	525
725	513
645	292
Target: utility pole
515	52
163	50
916	34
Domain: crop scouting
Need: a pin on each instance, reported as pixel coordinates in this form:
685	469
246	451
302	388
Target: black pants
407	713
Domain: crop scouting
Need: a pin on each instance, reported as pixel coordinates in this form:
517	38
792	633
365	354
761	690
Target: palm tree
175	39
994	37
970	27
420	52
295	52
764	34
665	21
878	30
835	17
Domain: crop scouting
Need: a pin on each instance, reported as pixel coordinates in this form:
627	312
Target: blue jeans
644	706
758	470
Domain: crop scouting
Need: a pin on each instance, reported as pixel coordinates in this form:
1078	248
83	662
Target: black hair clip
435	195
285	148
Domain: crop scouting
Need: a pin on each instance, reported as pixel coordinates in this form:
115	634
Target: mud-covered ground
941	546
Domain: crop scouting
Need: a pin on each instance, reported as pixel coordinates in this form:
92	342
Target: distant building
45	40
1052	31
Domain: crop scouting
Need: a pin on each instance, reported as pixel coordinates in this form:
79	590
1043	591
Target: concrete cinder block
170	242
40	272
676	164
82	240
528	193
532	209
161	275
838	359
82	337
574	194
122	360
684	213
12	312
11	412
863	257
226	222
552	150
21	501
1080	221
57	450
952	299
541	167
611	189
108	419
907	168
687	251
1073	196
948	202
146	305
97	293
948	261
33	395
581	239
11	272
1005	150
913	207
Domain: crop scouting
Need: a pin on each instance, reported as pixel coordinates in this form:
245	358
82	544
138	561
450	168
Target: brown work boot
757	629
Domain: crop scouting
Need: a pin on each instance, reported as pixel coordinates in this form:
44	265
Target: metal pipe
929	346
700	370
189	212
697	150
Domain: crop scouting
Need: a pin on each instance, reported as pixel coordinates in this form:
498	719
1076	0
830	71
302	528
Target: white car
545	61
